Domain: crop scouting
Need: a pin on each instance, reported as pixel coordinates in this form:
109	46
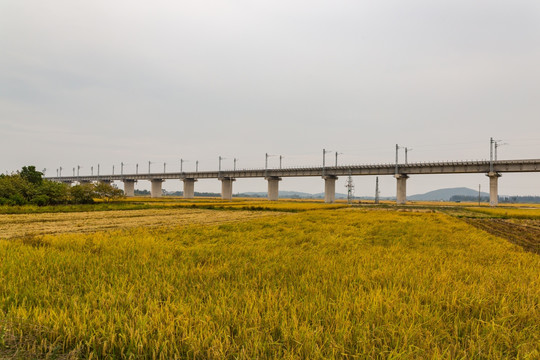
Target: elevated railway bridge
493	169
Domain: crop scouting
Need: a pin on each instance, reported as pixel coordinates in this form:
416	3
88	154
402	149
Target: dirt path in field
525	233
12	226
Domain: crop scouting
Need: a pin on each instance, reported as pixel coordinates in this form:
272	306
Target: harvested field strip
19	225
523	233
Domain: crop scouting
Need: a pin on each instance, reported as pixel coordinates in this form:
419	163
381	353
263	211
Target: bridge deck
455	167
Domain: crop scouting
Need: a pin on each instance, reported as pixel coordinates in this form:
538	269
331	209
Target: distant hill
283	194
459	194
445	194
321	196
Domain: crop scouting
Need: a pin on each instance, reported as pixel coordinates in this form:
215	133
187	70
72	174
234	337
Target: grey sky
91	82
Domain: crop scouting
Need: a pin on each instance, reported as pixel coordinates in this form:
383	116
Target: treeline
519	199
468	198
178	193
28	187
502	199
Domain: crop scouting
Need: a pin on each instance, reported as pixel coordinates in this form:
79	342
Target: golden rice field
517	213
316	284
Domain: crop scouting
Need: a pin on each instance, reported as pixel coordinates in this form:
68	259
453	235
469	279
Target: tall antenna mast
350	188
377	190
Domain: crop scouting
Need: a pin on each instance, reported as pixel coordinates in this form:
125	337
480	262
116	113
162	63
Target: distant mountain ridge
290	194
435	195
445	194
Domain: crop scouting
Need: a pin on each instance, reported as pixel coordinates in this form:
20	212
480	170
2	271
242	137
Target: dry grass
20	225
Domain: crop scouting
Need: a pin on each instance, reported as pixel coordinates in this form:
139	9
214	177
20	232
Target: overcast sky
88	82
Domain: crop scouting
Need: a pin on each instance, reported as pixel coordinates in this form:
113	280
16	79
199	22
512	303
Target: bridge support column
226	188
129	187
189	188
493	188
401	191
329	188
273	187
156	188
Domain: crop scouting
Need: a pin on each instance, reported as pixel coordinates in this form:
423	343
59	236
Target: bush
28	186
108	192
83	193
41	200
57	193
16	199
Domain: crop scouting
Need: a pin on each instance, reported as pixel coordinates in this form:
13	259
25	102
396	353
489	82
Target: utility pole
113	169
56	172
377	190
266	156
164	167
97	169
490	155
479	187
397	149
92	170
149	166
181	165
220	158
60	172
197	166
406	151
234	166
324	152
121	168
280	159
78	170
337	153
137	169
498	143
73	172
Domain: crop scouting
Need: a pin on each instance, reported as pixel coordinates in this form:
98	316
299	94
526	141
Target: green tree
83	193
108	192
29	186
15	186
30	174
57	193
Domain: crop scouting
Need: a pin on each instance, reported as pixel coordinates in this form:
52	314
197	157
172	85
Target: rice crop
346	283
338	284
506	212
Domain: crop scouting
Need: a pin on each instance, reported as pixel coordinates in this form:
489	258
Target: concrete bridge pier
129	187
226	188
189	188
401	191
273	187
330	188
493	188
157	188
